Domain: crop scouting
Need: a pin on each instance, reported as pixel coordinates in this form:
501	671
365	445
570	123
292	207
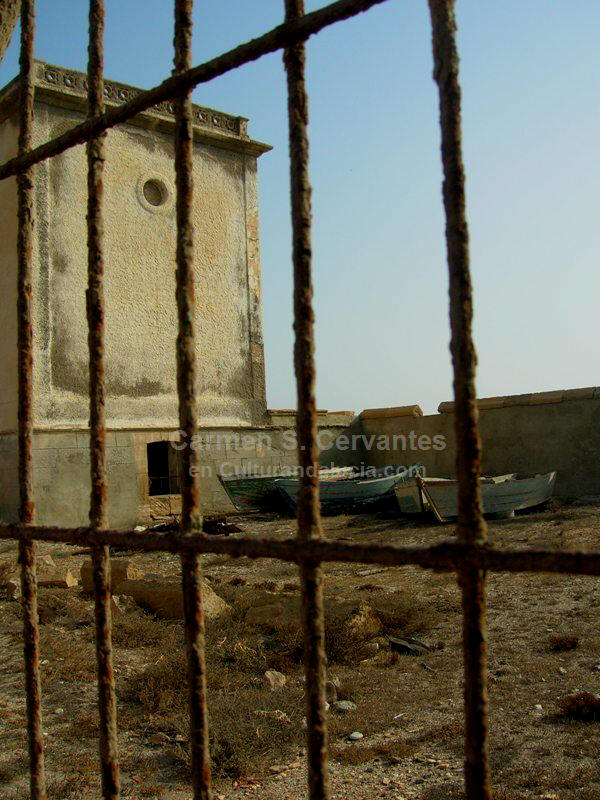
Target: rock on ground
164	597
274	680
120	570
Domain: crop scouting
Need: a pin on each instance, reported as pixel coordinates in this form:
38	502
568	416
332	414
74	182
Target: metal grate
468	556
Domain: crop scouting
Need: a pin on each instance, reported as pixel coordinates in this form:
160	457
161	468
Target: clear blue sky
531	76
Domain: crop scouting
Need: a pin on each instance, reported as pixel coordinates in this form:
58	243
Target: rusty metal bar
309	511
472	528
447	556
191	519
107	705
469	555
27	550
95	290
282	36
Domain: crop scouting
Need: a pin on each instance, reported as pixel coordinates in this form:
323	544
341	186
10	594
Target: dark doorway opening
163	468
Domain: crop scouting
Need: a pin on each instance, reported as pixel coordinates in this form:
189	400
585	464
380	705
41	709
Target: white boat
351	494
501	495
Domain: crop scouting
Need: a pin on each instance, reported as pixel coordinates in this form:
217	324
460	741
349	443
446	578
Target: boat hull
259	493
251	493
500	496
350	496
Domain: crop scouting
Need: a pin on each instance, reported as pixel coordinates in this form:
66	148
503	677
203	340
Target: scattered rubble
60	580
344	706
12	590
405	755
120	570
274	680
407	645
331	691
164	597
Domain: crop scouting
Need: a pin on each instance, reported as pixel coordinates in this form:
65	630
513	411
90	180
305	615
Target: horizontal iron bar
447	556
282	36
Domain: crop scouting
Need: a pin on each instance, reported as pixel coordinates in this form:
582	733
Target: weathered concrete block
83	439
164	597
119	455
585	393
60	580
12	589
42	441
394	411
274	680
490	402
517	399
539	398
120	571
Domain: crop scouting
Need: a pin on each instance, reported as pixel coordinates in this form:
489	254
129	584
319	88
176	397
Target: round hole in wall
155	192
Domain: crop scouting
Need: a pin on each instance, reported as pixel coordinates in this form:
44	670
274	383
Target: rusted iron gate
469	555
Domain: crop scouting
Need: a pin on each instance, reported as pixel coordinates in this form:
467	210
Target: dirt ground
544	643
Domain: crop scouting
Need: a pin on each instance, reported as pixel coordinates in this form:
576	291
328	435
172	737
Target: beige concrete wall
520	433
9	481
402	440
61	478
141	316
140	241
8	283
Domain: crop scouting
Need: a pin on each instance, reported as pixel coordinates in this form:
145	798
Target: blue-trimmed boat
358	493
259	493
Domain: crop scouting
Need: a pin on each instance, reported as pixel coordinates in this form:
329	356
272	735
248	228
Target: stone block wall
536	432
61	468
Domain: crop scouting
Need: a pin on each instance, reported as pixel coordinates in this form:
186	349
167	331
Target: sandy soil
409	709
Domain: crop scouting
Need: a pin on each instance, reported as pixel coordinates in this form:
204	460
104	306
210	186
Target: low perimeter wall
61	467
520	433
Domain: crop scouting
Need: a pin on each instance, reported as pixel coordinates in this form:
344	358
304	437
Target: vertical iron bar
27	550
471	525
191	520
95	314
309	512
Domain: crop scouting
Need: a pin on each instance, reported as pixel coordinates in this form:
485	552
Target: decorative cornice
68	88
71	82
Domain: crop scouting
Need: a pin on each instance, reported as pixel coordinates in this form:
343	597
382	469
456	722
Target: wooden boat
350	495
258	492
501	495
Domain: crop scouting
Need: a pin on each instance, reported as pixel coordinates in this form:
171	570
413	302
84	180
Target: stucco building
141	317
